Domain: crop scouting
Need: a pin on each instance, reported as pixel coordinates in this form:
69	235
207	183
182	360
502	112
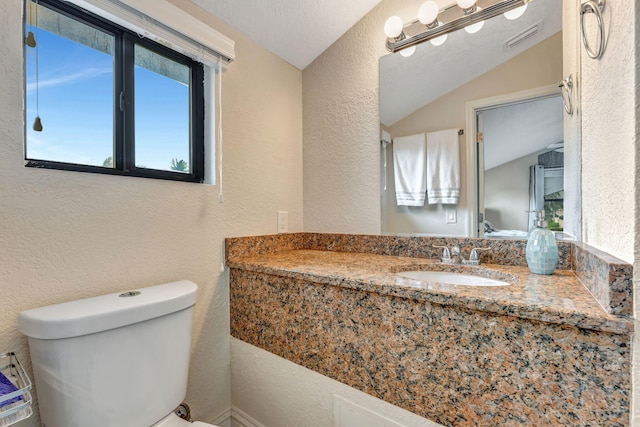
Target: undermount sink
451	278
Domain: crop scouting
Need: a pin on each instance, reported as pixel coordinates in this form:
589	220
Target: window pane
162	133
72	92
554	211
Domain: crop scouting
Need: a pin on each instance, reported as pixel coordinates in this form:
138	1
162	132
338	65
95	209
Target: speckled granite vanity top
559	298
544	351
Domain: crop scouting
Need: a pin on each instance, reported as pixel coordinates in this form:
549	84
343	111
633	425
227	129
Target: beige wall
506	194
67	235
538	66
341	129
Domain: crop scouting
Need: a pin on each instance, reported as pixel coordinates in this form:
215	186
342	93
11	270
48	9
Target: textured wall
611	219
608	138
341	130
67	235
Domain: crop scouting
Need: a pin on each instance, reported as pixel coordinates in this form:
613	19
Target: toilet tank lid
97	314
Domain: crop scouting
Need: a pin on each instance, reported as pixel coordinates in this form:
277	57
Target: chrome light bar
451	19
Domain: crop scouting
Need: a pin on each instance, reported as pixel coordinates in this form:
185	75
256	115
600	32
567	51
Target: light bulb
474	28
471	29
428	12
515	13
466	4
393	27
439	41
408	51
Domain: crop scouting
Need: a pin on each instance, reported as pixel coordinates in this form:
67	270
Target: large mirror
498	88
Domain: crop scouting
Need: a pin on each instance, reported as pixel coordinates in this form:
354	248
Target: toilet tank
118	360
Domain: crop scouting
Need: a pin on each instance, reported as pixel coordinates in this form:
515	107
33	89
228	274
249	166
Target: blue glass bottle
542	249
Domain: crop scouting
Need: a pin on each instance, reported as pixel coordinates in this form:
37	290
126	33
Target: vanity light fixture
469	6
516	13
434	24
428	14
439	41
408	51
474	28
393	28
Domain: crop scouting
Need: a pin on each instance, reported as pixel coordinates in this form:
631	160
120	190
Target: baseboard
242	419
235	417
224	419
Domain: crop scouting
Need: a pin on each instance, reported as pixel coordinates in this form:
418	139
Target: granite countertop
559	298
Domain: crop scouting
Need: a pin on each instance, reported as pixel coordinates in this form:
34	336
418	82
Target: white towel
409	170
443	167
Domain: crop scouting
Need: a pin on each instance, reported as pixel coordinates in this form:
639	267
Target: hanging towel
409	170
443	167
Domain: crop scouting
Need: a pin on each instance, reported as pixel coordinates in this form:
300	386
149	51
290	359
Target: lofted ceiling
408	84
297	31
517	130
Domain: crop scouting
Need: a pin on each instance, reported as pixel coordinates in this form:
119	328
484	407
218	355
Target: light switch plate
452	215
283	221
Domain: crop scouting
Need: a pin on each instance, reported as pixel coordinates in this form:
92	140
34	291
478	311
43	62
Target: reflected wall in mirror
429	91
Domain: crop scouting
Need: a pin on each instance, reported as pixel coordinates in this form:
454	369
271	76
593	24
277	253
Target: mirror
516	64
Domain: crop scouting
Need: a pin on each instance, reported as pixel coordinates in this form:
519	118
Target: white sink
451	278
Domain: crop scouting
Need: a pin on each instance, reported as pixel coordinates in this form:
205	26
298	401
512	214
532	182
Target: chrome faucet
474	256
454	255
446	254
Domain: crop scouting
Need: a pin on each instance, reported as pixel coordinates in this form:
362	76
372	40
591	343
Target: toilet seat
172	420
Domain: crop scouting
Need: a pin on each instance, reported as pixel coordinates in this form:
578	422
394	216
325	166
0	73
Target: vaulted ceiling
408	84
297	31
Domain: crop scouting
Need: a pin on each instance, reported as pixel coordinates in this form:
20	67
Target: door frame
472	159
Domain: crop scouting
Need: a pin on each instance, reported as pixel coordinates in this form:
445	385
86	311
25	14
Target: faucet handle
475	255
446	255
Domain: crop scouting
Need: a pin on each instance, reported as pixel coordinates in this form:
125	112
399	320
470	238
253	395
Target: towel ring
596	7
566	87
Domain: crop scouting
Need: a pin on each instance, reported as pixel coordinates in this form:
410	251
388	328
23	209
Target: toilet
118	360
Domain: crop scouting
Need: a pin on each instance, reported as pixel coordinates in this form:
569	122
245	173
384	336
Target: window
110	101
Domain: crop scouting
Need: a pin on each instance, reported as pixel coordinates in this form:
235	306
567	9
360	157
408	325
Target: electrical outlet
283	221
452	215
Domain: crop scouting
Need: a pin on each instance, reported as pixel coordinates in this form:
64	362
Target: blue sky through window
76	105
162	116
